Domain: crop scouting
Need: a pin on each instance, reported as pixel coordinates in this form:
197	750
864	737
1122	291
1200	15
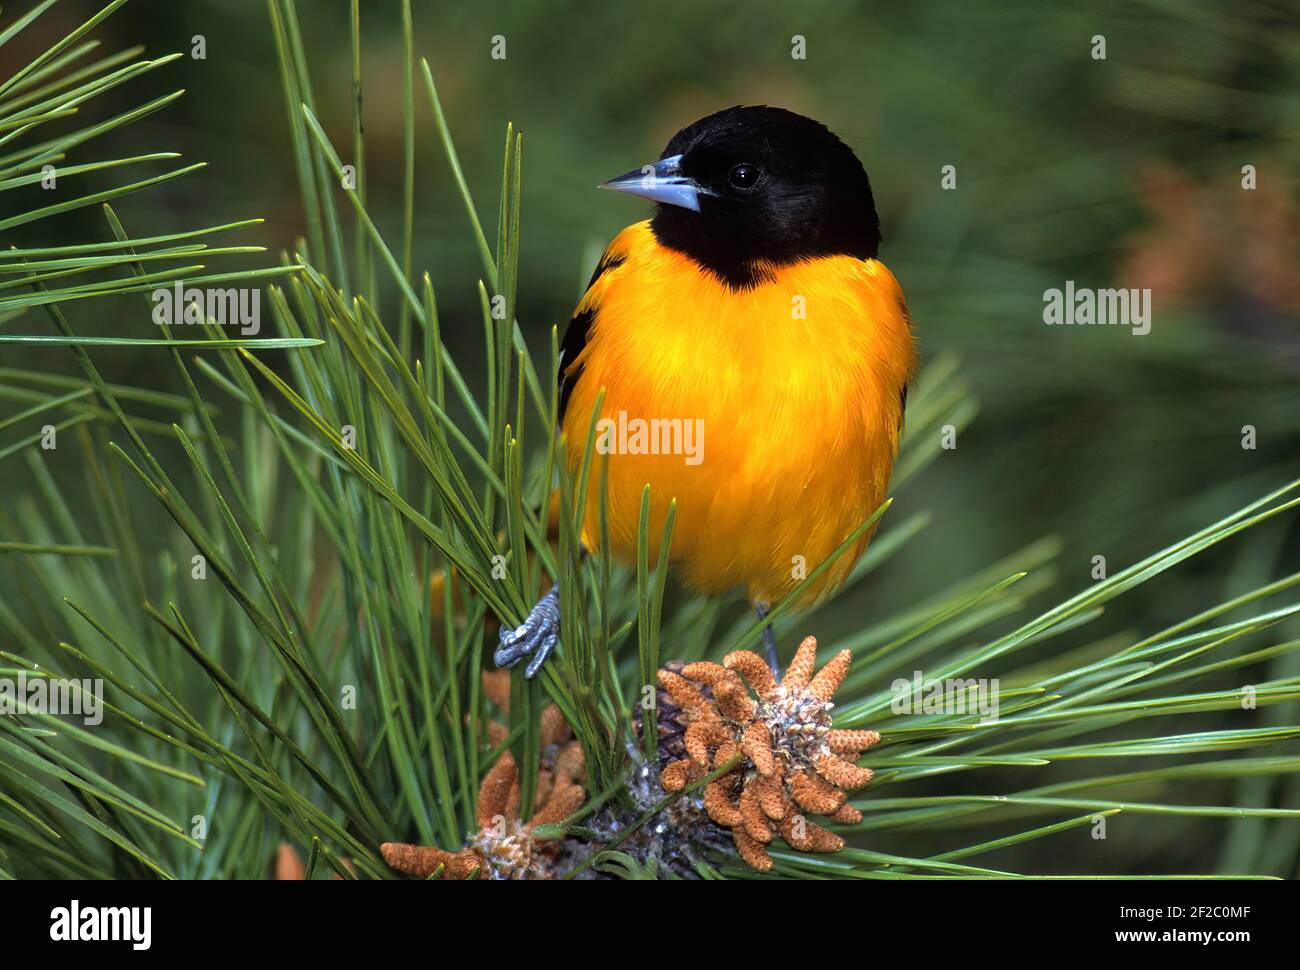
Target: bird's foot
537	637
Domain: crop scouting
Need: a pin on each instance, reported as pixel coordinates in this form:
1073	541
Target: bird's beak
661	182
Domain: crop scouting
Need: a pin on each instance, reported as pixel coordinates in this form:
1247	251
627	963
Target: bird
750	324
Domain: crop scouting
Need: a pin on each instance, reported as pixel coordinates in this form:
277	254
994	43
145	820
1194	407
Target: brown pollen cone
503	847
794	763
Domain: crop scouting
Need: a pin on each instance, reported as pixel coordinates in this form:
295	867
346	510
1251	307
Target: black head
750	186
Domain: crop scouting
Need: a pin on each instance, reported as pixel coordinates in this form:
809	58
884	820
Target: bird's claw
537	636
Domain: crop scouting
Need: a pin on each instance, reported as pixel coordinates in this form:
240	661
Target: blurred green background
1123	171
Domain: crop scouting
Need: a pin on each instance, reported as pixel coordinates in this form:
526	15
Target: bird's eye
743	176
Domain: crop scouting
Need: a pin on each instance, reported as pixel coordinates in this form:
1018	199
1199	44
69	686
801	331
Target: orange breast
770	414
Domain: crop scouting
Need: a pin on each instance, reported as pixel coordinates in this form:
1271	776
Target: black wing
575	338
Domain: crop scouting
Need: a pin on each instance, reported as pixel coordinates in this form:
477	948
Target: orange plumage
798	386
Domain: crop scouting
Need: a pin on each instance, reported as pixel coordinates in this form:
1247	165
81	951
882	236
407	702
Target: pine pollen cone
504	847
793	763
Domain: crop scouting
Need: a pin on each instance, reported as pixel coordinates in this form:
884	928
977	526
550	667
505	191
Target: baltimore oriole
751	310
